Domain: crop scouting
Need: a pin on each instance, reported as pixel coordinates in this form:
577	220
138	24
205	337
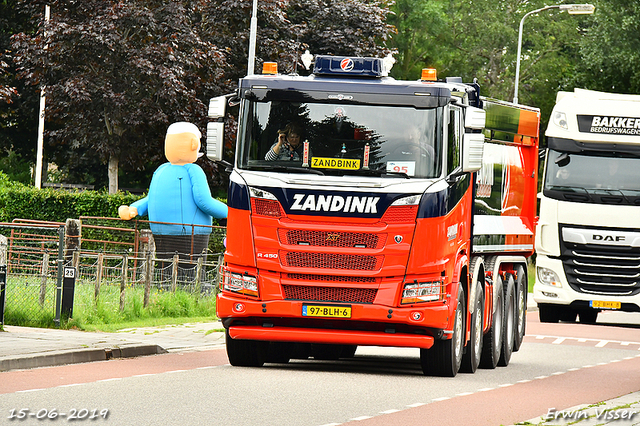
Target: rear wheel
509	327
246	353
471	358
492	341
522	288
445	356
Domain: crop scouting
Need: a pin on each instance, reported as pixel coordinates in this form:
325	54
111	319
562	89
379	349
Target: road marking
393	410
598	343
558	341
417	404
444	398
361	418
602	343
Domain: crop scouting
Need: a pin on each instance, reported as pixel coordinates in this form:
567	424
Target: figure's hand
127	213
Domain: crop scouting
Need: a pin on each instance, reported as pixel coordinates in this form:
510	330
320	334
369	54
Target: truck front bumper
368	325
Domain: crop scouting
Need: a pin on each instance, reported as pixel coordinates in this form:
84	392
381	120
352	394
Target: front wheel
445	356
246	353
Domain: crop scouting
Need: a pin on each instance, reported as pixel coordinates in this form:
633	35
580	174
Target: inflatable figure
179	197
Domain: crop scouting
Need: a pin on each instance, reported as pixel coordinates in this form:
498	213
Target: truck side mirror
475	118
472	151
215	129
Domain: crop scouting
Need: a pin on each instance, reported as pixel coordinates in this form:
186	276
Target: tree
610	49
420	38
117	74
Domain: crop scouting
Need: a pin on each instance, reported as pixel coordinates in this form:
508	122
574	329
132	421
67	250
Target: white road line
393	410
417	404
361	418
29	390
602	343
444	398
558	340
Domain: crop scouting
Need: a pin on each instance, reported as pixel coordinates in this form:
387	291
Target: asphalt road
558	366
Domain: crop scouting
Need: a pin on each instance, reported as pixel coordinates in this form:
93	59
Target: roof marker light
429	74
270	68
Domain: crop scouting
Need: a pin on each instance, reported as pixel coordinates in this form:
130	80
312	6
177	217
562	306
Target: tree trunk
113	174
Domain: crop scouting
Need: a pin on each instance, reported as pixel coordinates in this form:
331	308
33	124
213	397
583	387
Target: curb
77	356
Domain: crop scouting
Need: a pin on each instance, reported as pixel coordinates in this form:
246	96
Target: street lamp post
253	32
572	9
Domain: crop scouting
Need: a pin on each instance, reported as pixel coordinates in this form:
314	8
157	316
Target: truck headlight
237	283
416	292
548	277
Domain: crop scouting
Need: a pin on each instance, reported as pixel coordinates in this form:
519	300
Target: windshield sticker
609	125
406	167
335	163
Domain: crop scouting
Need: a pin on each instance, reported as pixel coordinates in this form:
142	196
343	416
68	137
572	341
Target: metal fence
120	267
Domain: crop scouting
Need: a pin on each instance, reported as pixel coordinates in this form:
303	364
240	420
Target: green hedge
19	201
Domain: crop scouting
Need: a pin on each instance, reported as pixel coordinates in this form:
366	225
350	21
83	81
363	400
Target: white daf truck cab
588	233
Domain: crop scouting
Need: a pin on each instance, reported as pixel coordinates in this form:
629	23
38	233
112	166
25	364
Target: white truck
588	233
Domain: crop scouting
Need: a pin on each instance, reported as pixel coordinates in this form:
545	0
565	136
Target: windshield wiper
383	172
286	169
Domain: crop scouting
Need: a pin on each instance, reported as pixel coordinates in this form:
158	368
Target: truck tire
522	289
279	352
326	352
509	328
445	356
492	341
588	316
471	358
246	353
548	313
348	351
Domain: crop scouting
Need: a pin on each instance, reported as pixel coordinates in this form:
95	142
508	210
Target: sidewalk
26	347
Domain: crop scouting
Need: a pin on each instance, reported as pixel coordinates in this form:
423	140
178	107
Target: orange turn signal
270	68
429	74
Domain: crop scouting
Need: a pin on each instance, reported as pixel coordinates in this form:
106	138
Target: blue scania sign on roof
341	65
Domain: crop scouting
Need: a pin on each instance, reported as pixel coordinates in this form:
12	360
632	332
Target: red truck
403	217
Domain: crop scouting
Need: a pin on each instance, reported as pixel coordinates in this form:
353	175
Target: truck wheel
471	358
509	329
279	352
522	289
492	342
445	356
246	353
548	313
348	351
326	352
588	316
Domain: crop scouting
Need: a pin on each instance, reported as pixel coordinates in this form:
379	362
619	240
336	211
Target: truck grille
602	269
331	261
329	294
332	239
331	278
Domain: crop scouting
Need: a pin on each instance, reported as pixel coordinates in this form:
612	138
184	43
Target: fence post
60	263
174	273
4	242
72	237
98	276
123	281
198	273
147	278
3	291
43	277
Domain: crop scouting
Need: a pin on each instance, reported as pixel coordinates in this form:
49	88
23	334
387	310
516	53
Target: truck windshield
593	178
341	139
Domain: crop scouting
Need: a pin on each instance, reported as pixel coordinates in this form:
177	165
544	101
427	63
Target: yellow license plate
601	304
326	311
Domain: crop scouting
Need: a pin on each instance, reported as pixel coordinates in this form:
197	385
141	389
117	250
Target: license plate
601	304
326	311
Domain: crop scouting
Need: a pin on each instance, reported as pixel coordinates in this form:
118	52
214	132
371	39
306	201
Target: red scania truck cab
404	219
